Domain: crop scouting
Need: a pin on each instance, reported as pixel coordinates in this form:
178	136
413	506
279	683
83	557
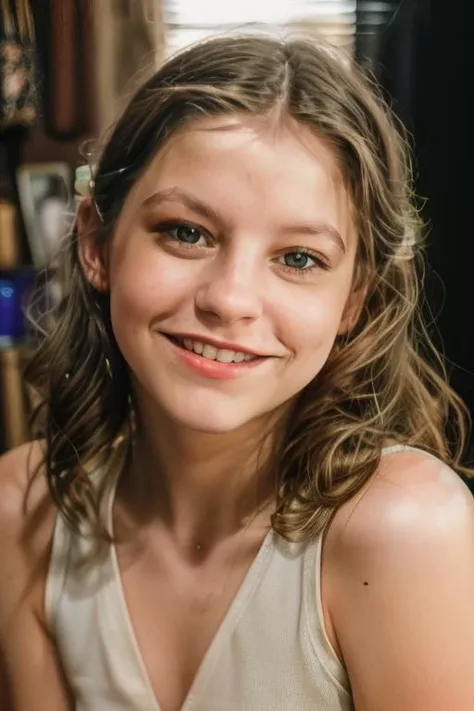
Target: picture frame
47	207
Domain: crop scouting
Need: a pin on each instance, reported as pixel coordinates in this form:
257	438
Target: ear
92	252
352	310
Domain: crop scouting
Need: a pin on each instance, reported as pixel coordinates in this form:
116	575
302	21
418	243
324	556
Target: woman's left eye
300	260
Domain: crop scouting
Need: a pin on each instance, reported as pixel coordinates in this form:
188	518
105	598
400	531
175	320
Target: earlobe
91	251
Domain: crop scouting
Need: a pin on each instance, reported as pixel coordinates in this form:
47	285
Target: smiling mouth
208	352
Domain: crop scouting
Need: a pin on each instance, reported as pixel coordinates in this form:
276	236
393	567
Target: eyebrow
317	229
189	201
207	212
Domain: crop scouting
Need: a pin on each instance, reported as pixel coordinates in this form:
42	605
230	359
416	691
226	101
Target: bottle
9	235
13	399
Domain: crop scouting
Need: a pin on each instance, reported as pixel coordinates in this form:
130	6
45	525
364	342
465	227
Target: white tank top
270	653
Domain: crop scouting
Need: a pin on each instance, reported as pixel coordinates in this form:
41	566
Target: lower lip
214	368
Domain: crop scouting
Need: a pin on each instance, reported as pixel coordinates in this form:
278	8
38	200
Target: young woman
243	492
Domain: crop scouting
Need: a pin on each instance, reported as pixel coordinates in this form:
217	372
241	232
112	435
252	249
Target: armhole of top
314	602
313	598
56	572
314	610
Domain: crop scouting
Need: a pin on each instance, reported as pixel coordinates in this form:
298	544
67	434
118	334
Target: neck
203	487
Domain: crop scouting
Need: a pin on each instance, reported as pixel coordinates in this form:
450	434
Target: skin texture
398	563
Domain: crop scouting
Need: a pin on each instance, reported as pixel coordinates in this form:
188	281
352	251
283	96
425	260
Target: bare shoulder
26	521
412	499
30	672
399	566
23	487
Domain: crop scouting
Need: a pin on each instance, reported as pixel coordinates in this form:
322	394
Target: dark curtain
424	59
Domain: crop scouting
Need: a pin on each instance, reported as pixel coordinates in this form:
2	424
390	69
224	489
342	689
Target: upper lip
217	344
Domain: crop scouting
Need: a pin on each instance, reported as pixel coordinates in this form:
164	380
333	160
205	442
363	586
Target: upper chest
177	608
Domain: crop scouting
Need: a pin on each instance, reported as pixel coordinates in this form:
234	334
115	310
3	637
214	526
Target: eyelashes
304	255
188	236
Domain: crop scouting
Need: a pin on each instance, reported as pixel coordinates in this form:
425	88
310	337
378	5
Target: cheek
310	335
146	285
310	325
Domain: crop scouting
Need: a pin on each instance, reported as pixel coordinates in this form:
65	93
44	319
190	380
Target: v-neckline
223	632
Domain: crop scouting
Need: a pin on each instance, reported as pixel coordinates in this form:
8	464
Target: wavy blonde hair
383	383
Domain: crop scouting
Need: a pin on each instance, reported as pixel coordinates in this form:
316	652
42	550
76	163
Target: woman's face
231	270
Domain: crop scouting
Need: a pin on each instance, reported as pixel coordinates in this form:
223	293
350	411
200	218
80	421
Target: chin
211	420
204	409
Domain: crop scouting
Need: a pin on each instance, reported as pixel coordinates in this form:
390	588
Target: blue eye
298	260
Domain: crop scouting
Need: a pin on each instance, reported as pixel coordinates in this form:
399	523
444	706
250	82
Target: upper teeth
223	355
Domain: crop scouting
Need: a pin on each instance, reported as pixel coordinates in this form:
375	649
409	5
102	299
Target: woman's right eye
184	234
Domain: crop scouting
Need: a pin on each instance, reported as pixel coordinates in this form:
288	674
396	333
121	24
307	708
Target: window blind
189	21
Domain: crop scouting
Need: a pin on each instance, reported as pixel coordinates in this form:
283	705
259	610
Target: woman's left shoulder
398	586
413	501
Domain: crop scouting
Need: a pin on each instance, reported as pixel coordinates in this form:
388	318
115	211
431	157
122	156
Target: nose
230	292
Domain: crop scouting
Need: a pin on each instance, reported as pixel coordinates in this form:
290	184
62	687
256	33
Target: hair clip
84	181
84	185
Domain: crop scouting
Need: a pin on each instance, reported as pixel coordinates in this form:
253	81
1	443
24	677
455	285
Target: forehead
282	167
257	140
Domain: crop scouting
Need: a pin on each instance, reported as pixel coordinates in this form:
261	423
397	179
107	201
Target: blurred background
68	66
